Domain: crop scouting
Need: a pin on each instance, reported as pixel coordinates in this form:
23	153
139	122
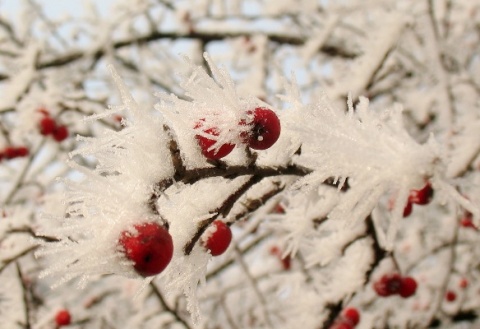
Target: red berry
467	221
352	315
463	283
408	286
218	240
450	296
205	144
286	261
21	151
265	129
10	152
150	248
62	318
60	133
408	209
422	196
47	126
388	285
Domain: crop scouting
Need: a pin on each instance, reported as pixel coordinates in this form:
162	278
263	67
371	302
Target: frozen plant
307	164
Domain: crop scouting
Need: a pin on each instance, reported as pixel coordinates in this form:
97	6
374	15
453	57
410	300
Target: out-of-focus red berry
150	248
463	283
63	318
47	126
408	287
265	129
388	284
422	196
352	315
450	296
60	133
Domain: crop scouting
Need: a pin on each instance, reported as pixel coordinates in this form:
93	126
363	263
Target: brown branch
203	36
10	260
25	297
29	230
169	309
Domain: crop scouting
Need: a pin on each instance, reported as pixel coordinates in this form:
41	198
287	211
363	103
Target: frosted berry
450	296
47	126
265	129
150	248
388	285
422	196
60	133
351	315
408	287
218	239
206	143
63	318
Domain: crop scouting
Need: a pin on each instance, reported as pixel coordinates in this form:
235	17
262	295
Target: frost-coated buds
217	238
62	318
206	144
265	129
150	248
393	284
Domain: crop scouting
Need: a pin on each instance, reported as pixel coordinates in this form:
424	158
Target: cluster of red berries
150	248
63	318
48	126
395	284
420	197
349	319
263	133
12	152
